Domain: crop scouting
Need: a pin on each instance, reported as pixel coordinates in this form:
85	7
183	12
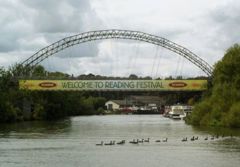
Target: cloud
62	16
226	19
14	24
27	26
205	27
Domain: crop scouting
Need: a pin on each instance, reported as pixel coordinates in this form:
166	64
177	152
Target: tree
133	76
220	106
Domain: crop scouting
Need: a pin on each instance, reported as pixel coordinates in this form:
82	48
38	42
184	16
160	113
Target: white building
114	105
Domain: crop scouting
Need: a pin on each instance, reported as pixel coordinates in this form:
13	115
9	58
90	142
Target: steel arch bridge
64	43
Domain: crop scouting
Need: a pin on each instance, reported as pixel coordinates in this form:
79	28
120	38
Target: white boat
175	116
179	111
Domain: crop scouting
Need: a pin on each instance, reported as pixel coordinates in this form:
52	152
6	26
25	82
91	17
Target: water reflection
218	131
35	129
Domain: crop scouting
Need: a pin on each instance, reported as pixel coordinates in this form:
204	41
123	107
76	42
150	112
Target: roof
140	100
120	102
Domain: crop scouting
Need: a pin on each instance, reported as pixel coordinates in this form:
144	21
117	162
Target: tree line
220	105
50	105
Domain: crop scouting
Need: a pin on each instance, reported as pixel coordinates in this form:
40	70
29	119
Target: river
72	142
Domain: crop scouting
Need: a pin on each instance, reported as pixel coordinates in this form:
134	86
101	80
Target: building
115	105
137	104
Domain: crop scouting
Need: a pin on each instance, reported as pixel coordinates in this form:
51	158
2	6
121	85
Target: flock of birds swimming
139	141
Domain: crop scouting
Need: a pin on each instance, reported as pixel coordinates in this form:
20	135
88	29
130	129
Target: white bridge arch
64	43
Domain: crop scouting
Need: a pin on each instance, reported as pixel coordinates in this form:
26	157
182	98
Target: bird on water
184	139
165	140
147	140
101	144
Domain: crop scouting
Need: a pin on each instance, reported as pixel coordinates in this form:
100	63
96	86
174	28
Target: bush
100	111
7	112
221	106
233	117
38	112
200	110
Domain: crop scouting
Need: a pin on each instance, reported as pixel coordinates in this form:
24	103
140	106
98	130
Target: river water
72	142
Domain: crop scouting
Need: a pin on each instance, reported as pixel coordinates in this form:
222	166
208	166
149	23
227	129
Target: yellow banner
115	85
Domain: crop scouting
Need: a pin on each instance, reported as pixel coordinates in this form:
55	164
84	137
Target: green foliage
133	76
39	71
191	101
7	112
49	105
43	105
92	104
232	119
100	110
39	112
5	80
199	111
221	105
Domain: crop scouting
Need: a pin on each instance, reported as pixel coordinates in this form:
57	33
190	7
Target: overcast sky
206	27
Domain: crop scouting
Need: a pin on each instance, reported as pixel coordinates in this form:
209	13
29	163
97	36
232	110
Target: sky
206	27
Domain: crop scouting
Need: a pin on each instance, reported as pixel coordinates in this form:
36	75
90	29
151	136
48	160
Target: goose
101	144
193	138
141	141
158	141
206	138
133	141
166	139
184	139
121	142
146	140
196	138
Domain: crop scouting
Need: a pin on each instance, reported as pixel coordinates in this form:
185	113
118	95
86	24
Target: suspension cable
176	72
135	58
181	67
159	60
154	60
111	54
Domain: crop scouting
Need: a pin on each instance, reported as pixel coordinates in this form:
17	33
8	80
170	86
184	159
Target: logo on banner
177	84
47	84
